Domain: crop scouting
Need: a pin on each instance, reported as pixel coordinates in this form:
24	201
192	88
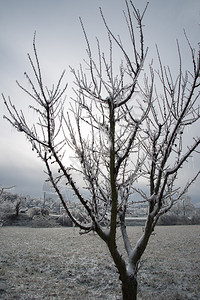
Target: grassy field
58	263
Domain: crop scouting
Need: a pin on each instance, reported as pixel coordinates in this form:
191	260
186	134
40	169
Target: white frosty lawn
58	263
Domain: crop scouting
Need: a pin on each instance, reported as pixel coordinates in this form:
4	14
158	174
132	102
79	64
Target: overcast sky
60	43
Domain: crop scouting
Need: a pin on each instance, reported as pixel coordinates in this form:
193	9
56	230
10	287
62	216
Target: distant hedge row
178	220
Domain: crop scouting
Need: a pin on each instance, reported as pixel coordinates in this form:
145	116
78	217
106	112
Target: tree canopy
122	130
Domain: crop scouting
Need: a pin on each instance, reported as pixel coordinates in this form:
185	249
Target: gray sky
60	43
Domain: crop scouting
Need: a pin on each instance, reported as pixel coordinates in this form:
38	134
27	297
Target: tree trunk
127	274
129	288
17	207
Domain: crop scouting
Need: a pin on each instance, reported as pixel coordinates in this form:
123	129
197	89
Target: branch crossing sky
60	43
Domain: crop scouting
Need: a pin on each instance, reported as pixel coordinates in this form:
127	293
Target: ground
59	264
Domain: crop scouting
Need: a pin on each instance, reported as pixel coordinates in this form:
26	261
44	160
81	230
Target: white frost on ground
58	263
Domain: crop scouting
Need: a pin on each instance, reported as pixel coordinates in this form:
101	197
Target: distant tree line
48	214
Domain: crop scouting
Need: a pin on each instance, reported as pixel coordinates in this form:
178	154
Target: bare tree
2	189
122	133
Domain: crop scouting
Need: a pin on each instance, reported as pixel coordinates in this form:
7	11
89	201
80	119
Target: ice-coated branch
128	140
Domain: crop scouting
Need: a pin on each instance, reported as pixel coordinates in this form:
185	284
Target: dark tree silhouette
122	133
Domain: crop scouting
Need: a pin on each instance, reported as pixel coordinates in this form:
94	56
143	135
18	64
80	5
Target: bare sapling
128	139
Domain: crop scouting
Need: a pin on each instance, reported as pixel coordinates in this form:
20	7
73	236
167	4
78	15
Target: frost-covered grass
58	263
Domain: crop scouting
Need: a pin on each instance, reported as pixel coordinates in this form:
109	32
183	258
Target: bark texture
129	288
